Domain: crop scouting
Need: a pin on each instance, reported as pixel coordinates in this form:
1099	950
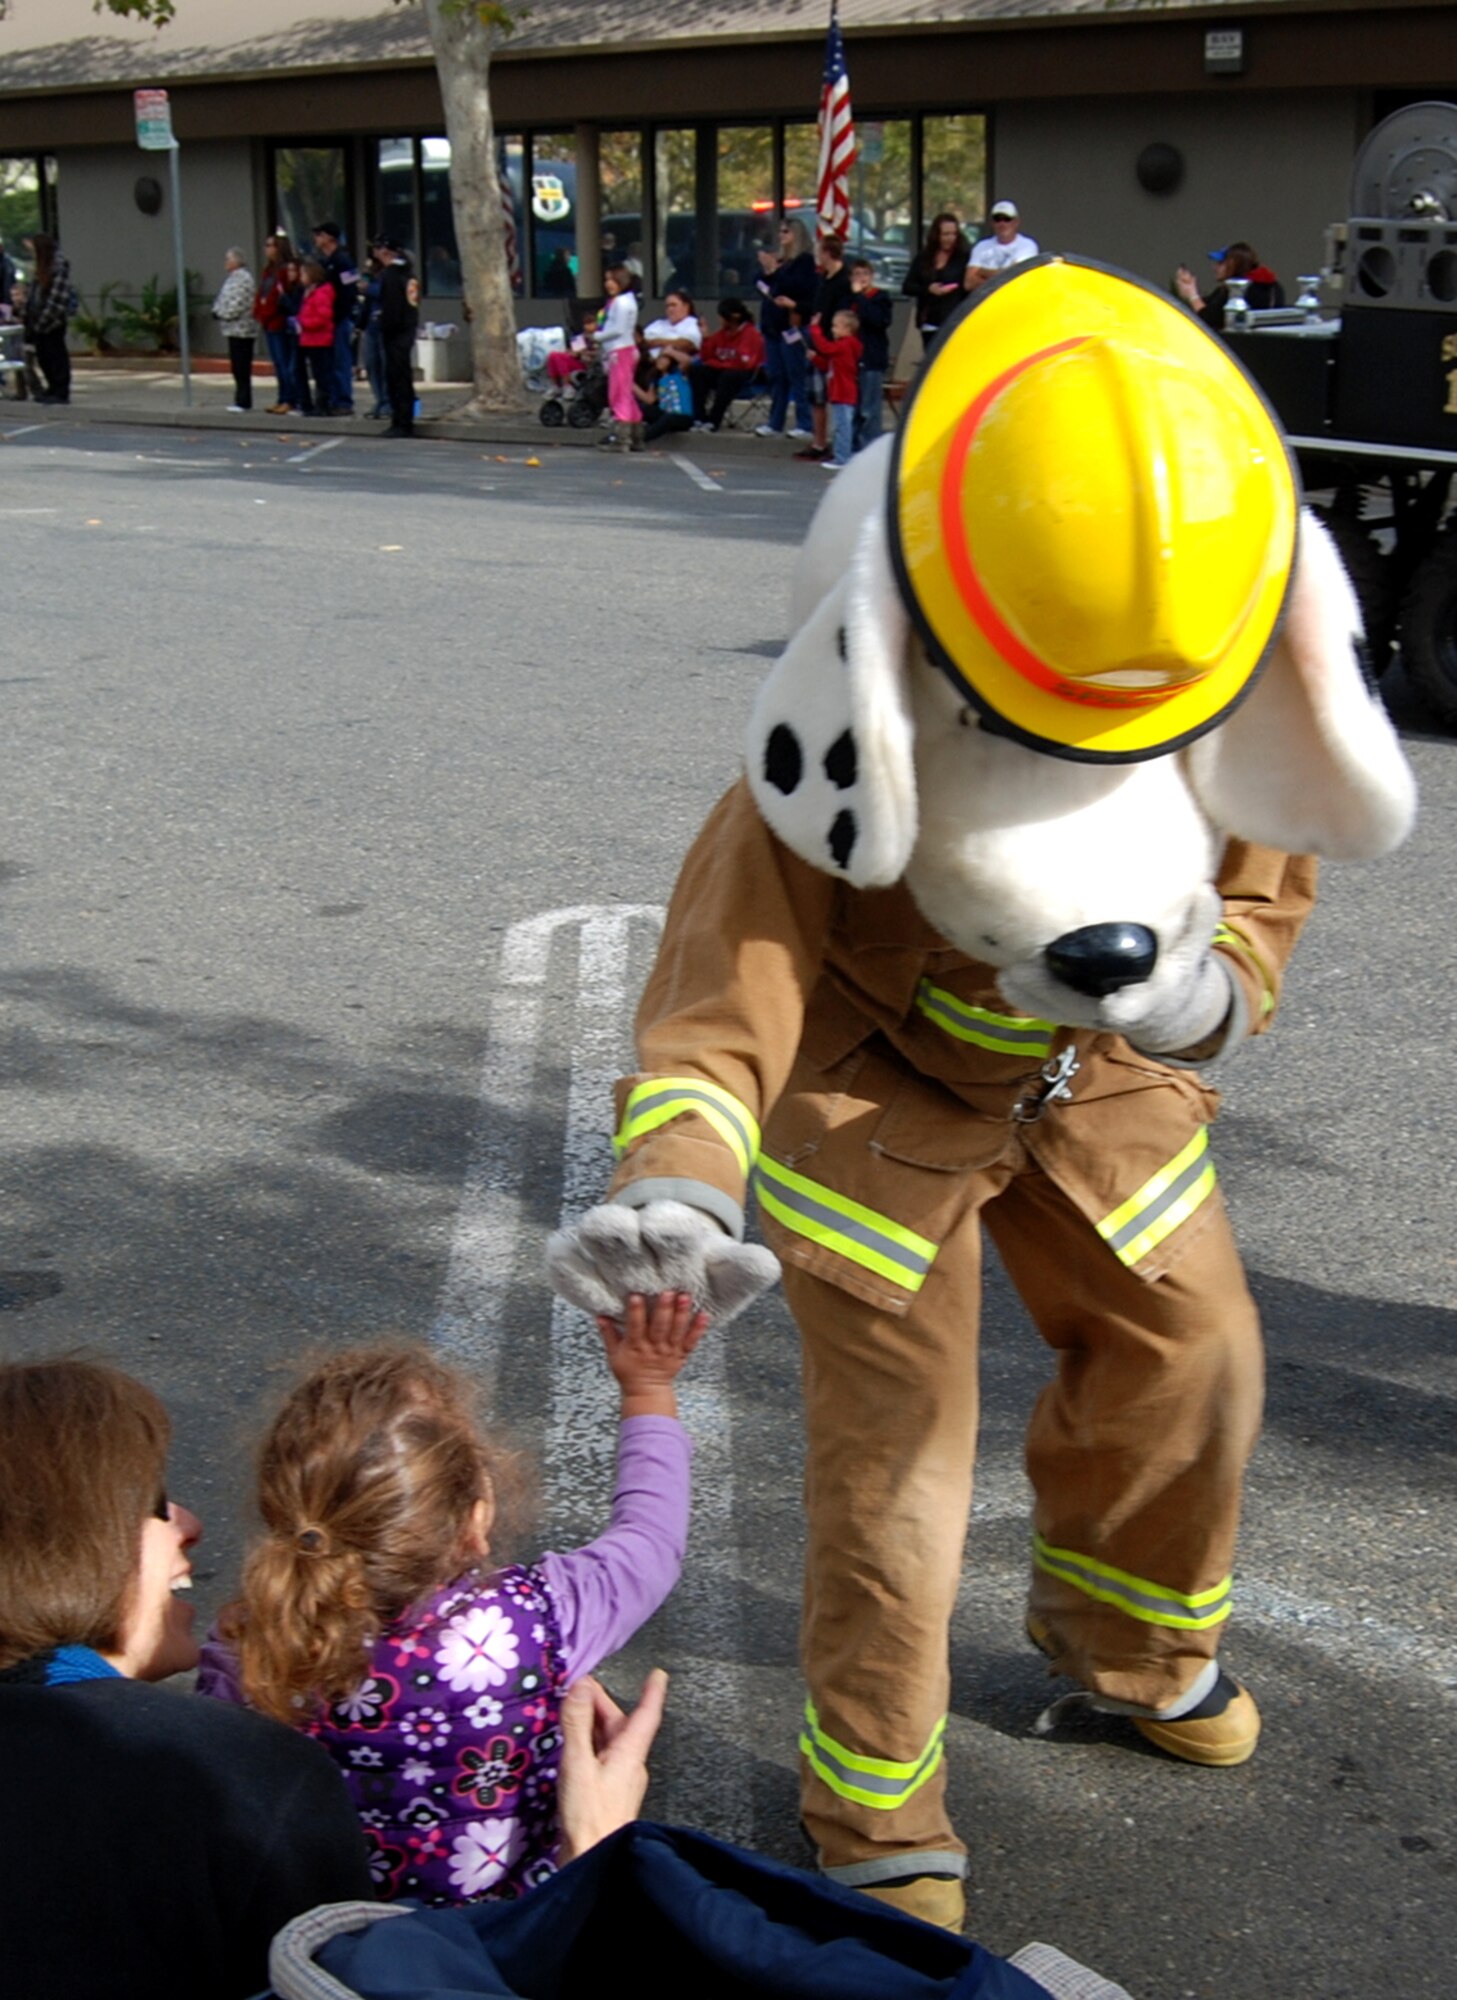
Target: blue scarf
62	1666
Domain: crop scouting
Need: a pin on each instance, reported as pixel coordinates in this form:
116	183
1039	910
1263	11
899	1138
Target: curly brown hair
368	1481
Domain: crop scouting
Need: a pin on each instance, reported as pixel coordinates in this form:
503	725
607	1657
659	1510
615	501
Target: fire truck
1368	396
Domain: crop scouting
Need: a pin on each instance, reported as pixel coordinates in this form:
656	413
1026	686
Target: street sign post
154	135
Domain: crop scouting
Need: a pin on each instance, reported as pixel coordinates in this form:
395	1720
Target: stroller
579	401
581	398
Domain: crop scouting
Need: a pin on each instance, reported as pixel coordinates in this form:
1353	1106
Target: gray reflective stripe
896	1867
1146	1217
678	1094
1147	1604
831	1218
896	1789
1036	1037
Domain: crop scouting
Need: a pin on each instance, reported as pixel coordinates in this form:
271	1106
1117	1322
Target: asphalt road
339	786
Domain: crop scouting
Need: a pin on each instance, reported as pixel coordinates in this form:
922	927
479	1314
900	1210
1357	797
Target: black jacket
795	280
936	309
399	316
874	313
153	1842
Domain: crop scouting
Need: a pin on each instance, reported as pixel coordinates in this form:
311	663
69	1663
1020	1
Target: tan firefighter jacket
826	1044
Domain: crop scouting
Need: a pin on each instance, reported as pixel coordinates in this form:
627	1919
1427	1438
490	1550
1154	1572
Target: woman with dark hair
49	304
271	310
152	1842
680	329
937	278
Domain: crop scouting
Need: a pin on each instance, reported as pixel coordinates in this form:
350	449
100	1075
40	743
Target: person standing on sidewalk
233	311
873	309
786	283
271	311
333	254
619	352
399	320
837	361
48	305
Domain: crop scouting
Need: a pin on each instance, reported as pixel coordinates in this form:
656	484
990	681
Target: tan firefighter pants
1136	1453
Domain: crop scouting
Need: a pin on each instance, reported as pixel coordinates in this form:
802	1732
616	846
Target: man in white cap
1004	247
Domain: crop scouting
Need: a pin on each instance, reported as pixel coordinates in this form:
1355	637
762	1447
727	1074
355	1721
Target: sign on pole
154	135
154	121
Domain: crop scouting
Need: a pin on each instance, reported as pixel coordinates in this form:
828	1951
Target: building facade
1141	132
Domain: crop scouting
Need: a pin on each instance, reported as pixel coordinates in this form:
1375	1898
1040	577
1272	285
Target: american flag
838	149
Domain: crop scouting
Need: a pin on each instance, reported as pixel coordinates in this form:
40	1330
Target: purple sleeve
604	1591
217	1670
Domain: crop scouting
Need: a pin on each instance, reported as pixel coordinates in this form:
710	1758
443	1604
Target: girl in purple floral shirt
371	1618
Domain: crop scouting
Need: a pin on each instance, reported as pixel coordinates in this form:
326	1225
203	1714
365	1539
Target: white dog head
865	761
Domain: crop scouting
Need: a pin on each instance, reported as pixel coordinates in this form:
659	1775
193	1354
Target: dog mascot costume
1072	698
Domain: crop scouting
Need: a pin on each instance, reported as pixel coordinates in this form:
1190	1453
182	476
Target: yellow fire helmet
1092	513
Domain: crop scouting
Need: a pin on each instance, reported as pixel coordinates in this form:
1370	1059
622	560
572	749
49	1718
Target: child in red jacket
839	358
315	329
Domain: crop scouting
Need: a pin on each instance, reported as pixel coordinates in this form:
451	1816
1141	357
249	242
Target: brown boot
1220	1733
935	1899
632	437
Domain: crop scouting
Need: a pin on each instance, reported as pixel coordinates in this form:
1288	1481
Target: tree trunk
463	43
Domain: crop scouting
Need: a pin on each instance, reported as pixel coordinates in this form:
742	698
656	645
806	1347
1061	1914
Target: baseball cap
1218	256
1007	209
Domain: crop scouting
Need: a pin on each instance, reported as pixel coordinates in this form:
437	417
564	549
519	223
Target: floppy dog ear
1309	761
830	737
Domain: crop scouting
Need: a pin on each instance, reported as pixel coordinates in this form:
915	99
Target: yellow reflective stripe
663	1098
1162	1203
847	1227
1154	1603
1004	1034
868	1781
1234	939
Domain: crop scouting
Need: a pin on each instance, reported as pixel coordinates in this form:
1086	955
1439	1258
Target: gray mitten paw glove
1195	990
665	1246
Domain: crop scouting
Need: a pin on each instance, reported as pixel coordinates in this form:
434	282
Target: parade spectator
366	313
832	296
333	255
270	309
837	355
679	328
152	1842
1236	260
874	310
314	326
936	279
233	311
731	358
1005	246
292	298
618	342
49	304
9	278
399	321
786	284
373	1616
666	399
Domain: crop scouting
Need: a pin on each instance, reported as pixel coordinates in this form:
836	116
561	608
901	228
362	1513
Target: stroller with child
576	385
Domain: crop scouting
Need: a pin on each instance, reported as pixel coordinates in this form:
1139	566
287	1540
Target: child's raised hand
647	1347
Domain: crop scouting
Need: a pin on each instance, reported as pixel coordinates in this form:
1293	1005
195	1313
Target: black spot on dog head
783	759
840	646
842	838
841	762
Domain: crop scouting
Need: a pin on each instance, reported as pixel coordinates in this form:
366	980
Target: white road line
329	444
29	510
188	464
25	431
695	473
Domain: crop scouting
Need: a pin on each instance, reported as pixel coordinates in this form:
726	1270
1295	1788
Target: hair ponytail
367	1482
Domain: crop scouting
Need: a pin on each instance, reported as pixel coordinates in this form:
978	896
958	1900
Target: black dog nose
1103	958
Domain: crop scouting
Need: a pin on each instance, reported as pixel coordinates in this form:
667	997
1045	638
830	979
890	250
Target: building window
310	185
675	188
954	168
395	207
553	221
802	174
27	201
746	209
620	169
440	271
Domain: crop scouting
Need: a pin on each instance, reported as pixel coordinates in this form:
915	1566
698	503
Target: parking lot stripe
695	473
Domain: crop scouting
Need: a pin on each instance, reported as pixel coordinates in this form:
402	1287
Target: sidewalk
150	392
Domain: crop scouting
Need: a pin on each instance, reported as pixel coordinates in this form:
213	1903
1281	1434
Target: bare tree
464	34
